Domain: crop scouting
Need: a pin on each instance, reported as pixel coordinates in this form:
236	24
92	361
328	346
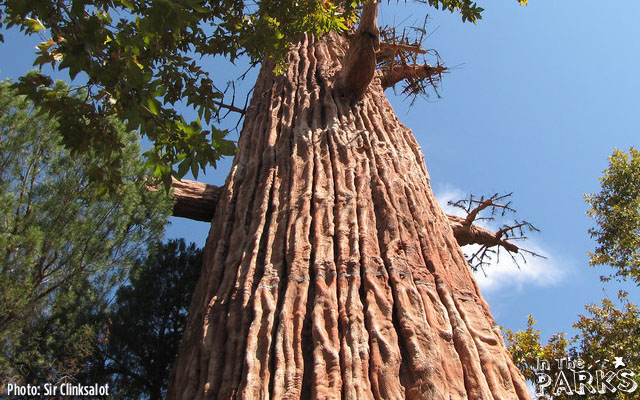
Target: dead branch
472	210
194	200
488	203
474	234
388	51
229	107
412	73
402	58
359	64
466	232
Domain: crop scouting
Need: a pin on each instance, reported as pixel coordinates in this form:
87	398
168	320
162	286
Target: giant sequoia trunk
330	270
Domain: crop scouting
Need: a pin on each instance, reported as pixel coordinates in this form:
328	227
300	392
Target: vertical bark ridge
488	336
298	249
225	309
317	120
255	383
436	312
422	358
327	379
327	375
353	334
437	336
385	355
258	380
196	340
283	378
239	314
331	271
407	250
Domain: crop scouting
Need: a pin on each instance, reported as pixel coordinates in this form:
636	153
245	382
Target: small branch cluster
219	115
472	206
402	58
467	232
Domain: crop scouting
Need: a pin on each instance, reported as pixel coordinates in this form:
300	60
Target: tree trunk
330	270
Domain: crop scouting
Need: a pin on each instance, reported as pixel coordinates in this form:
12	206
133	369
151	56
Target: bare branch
466	232
491	202
411	73
194	200
229	107
388	51
474	234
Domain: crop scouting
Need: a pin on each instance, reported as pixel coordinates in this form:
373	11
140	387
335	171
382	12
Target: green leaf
153	105
127	4
183	167
33	25
194	167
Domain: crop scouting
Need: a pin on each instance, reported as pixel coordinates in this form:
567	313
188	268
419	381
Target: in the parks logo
573	377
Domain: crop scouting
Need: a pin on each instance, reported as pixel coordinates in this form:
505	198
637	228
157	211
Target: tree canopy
139	347
139	59
605	332
608	330
616	211
64	242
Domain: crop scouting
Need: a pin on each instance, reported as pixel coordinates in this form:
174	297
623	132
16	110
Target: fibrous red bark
197	201
359	62
194	200
467	233
399	72
330	270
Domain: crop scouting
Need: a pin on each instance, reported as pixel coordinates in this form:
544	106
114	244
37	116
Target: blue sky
536	101
539	98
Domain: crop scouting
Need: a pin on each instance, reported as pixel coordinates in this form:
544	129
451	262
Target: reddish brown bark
467	233
197	201
399	72
359	62
194	200
330	270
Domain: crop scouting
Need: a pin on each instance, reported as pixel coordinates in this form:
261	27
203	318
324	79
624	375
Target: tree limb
388	51
482	204
194	200
468	233
359	64
415	72
229	107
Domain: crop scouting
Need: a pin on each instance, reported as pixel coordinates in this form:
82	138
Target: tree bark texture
359	62
197	201
330	270
194	200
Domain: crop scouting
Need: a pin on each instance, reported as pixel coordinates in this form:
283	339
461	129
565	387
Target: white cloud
502	272
451	194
